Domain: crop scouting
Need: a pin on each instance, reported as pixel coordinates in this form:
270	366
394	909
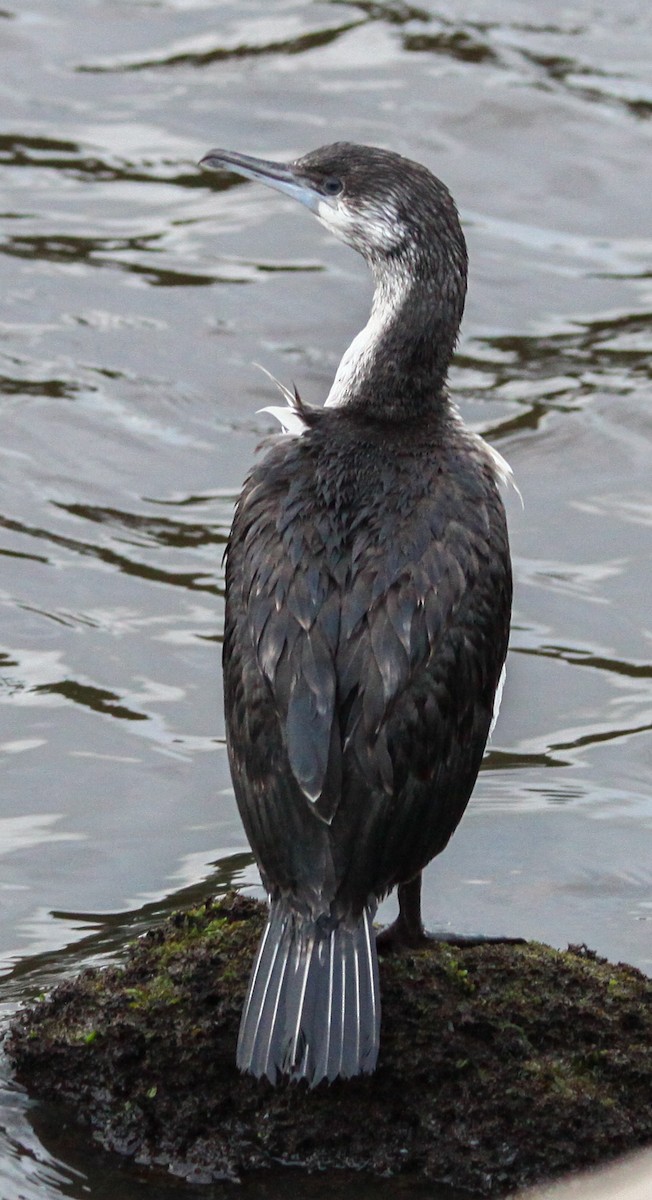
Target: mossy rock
499	1065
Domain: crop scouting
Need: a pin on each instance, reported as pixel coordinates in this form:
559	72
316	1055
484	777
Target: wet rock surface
499	1065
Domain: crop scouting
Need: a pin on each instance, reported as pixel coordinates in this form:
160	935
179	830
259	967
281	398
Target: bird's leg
407	931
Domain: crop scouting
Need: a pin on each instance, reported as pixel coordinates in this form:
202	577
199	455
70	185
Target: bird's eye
332	186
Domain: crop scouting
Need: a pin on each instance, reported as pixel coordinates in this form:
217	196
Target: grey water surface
136	294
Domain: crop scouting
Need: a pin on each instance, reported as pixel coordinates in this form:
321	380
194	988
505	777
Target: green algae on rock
500	1065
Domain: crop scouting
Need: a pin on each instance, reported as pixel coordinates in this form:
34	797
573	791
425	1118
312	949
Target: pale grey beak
284	177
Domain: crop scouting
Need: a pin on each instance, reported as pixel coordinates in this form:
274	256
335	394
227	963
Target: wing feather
379	647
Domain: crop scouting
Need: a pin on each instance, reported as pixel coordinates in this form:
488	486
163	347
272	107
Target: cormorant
368	596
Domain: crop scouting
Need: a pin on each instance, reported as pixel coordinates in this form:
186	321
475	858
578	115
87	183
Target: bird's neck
396	366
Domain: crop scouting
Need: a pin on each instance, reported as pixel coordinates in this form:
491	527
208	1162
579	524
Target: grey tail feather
313	1006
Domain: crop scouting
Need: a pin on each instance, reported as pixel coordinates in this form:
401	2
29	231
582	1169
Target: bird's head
386	207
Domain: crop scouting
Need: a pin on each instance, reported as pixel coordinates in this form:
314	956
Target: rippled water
136	293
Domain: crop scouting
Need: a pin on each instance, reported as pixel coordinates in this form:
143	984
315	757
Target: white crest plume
290	417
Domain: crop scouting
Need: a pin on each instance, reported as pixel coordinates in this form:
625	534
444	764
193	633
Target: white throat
356	361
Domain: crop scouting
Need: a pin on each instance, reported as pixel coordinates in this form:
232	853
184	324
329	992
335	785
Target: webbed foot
407	931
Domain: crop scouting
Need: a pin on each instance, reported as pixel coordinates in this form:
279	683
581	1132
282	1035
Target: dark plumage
367	616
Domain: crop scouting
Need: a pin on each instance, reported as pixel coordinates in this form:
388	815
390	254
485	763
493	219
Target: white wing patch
502	469
498	696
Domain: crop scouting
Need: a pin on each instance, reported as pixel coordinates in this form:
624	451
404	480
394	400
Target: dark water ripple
511	760
623	342
123	254
97	699
216	54
397	13
579	658
56	389
191	580
151	530
82	162
467	42
558	373
462	44
485	42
